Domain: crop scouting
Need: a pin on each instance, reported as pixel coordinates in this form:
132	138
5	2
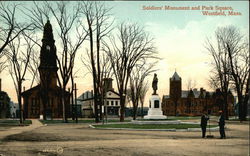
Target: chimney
0	85
108	84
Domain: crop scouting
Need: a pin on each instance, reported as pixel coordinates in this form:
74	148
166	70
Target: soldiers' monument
155	111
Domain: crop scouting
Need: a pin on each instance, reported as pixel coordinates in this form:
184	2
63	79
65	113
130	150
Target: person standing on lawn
204	119
221	123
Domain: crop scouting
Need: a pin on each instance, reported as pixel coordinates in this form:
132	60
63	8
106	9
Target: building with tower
46	98
193	102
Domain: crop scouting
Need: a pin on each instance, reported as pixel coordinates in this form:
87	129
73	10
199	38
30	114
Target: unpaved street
79	139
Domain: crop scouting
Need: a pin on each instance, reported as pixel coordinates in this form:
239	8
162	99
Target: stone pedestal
155	111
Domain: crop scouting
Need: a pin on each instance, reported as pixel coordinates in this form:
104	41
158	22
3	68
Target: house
14	110
4	103
45	99
111	101
193	102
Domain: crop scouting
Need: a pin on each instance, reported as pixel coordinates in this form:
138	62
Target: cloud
183	49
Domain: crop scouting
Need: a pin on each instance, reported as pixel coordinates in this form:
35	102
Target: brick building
46	98
193	102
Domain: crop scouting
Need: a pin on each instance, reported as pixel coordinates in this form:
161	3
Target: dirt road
79	139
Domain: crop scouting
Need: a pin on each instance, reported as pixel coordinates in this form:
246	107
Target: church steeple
48	32
48	50
48	66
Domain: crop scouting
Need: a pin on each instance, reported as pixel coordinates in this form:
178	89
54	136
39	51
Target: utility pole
105	103
76	113
72	102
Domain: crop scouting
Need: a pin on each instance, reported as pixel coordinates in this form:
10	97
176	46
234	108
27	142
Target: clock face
48	47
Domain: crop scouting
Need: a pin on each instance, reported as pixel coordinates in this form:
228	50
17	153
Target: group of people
221	122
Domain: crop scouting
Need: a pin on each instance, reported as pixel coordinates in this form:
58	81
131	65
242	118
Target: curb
169	130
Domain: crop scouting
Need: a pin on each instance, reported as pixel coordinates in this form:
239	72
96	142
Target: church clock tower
45	99
48	67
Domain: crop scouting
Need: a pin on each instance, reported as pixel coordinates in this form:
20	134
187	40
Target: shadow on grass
79	121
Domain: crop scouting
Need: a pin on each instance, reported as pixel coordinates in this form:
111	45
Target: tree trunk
65	114
135	112
245	108
241	108
142	110
225	107
122	110
20	103
96	103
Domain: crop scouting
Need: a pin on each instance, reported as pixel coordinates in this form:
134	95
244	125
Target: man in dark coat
221	125
204	119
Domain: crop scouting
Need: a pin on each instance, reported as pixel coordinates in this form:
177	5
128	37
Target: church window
34	107
48	47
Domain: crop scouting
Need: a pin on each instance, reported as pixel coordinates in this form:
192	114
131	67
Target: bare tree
190	83
3	63
34	63
221	66
213	80
99	26
137	82
144	90
66	63
228	64
10	28
131	46
238	52
18	64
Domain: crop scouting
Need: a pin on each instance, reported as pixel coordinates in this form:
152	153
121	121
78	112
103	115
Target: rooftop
175	76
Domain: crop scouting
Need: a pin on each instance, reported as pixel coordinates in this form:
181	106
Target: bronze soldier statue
154	84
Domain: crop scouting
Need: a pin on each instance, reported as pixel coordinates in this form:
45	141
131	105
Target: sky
179	38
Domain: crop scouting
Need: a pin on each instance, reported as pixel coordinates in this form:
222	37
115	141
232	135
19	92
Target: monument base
160	117
155	111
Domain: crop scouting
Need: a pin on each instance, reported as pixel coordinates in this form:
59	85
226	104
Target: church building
193	102
45	99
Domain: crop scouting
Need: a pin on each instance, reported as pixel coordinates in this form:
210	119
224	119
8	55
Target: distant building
14	109
193	102
46	99
112	101
4	103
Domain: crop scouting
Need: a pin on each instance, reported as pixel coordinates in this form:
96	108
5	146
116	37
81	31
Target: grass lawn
247	119
79	121
183	117
13	122
151	126
169	118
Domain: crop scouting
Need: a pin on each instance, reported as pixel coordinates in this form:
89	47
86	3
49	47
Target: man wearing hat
204	119
221	125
